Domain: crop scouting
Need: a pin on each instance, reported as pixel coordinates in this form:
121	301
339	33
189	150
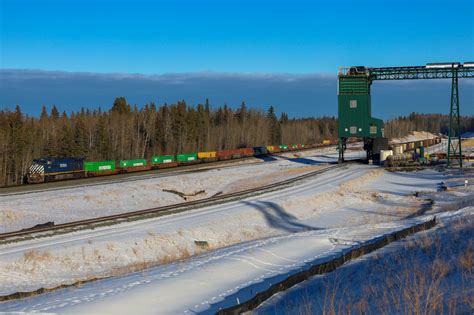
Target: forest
125	131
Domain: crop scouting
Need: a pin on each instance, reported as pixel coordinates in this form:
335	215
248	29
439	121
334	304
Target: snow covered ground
216	256
209	282
72	204
249	243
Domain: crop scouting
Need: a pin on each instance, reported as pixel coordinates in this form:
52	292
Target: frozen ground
66	205
273	235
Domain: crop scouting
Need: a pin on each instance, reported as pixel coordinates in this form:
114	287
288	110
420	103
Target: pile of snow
414	137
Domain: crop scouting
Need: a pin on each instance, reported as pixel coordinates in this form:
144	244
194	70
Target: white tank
384	154
398	149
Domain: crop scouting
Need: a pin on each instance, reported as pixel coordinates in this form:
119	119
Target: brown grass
400	281
36	256
468	143
7	216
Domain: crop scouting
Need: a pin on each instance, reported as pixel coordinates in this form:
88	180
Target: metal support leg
368	147
454	133
341	148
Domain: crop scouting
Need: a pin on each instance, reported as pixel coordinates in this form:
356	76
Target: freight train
61	168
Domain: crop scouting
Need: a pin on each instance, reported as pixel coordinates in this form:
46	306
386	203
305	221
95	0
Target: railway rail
63	228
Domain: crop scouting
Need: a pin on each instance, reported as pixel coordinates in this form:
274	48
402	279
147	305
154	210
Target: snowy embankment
429	273
312	220
212	281
66	205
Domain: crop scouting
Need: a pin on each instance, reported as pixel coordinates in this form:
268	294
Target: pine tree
44	113
274	129
120	106
54	113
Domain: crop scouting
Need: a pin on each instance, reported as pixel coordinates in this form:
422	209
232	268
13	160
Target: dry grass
7	216
429	275
37	256
354	184
468	143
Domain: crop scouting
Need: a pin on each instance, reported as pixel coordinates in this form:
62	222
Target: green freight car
132	163
187	157
283	147
99	166
162	159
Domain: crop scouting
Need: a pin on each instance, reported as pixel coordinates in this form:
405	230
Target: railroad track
98	181
63	228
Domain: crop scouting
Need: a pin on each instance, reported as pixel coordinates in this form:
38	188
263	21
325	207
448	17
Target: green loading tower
355	112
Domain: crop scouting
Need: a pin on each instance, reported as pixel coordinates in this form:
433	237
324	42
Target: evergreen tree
284	118
120	106
44	113
54	113
274	127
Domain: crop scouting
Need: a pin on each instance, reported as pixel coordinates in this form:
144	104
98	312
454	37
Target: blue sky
227	36
232	36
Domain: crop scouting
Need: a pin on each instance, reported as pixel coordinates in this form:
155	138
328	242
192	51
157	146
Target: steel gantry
352	123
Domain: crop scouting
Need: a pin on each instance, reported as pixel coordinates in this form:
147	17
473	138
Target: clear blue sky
232	36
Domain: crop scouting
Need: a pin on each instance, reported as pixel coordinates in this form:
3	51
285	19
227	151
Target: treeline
126	131
435	123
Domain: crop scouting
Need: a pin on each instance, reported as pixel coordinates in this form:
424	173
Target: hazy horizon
299	95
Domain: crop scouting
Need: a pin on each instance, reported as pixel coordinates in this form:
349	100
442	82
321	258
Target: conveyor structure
354	103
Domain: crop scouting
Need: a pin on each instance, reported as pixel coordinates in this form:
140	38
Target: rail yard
175	236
